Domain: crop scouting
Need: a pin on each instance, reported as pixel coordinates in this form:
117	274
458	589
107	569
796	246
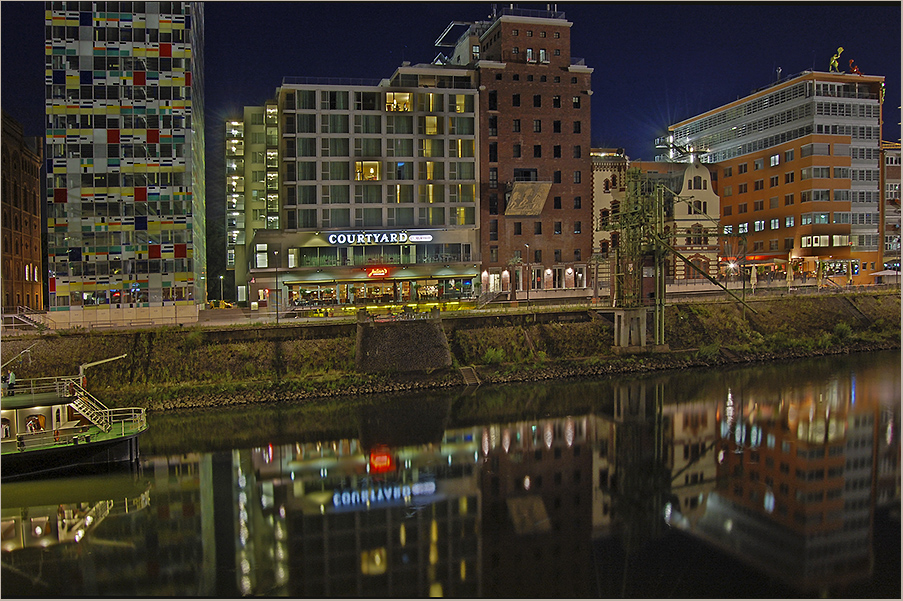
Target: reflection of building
347	521
888	457
798	171
796	485
537	480
23	261
125	162
690	431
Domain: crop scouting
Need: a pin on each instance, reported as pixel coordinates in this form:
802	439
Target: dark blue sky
655	64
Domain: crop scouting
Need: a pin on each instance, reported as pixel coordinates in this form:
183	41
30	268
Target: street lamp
528	276
221	288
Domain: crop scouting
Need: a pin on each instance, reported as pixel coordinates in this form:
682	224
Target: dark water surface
779	480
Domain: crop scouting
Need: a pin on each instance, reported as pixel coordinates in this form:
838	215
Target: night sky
655	64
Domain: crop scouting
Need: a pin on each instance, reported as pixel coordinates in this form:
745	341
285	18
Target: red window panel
153	136
139	78
153	251
140	194
60	194
165	50
112	136
181	251
188	78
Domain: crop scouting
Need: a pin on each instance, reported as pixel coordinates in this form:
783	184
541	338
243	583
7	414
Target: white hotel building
356	192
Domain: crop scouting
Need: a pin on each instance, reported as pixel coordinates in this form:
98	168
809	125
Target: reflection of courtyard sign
377	272
382	493
362	238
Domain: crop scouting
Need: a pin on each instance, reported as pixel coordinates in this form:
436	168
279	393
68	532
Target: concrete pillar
630	328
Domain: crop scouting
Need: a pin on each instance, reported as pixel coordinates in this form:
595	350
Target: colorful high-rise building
125	162
798	174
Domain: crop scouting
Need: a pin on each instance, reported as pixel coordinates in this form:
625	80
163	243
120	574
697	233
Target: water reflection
780	467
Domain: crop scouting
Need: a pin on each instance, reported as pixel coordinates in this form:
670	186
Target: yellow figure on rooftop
835	67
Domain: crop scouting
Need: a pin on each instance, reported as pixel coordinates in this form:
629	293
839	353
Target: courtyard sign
362	238
382	493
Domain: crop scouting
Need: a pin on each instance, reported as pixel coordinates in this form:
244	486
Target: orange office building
798	169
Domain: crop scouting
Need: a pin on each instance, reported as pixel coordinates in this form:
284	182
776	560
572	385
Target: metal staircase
470	376
96	412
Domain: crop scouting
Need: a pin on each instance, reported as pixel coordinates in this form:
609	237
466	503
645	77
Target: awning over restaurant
528	198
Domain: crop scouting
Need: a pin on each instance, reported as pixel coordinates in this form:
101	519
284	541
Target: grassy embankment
196	367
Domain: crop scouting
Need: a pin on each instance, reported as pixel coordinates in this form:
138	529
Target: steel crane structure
641	249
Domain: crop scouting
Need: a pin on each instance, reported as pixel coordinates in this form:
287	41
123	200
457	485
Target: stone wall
402	346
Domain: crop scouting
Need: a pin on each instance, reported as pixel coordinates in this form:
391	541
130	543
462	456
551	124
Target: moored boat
54	424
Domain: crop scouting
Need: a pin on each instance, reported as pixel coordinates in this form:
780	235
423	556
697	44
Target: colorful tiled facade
125	161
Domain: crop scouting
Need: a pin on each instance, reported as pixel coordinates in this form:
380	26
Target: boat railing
128	419
49	438
120	420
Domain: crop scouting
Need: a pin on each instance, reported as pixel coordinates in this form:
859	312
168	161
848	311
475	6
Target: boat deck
83	421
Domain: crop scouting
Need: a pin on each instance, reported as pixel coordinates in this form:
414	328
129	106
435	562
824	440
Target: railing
126	420
329	81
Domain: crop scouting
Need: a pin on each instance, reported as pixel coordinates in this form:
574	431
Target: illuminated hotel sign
377	272
368	238
382	493
364	238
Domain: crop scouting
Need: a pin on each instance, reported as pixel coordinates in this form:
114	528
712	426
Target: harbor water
770	480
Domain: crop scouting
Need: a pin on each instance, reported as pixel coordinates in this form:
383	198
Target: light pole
528	276
221	288
276	252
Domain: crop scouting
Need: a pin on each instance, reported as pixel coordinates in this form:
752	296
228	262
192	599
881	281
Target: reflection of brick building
23	257
795	484
537	509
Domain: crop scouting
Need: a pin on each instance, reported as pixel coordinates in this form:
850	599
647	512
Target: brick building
534	153
23	260
798	173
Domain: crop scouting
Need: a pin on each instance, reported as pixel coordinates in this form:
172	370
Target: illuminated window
367	171
398	101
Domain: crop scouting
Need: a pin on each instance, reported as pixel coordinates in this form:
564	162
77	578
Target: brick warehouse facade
535	164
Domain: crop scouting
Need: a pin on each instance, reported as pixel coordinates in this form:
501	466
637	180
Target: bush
493	355
842	332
